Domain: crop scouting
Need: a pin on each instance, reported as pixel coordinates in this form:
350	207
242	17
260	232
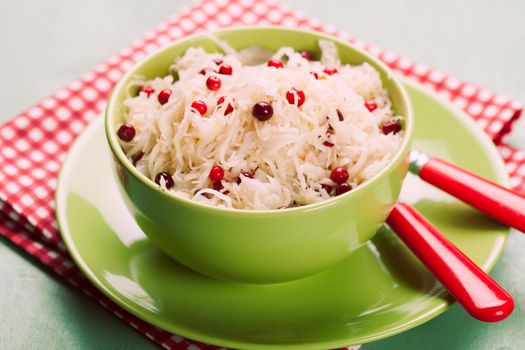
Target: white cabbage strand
286	154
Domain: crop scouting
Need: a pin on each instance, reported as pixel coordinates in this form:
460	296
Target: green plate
379	291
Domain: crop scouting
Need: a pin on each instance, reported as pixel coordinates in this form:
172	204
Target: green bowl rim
399	156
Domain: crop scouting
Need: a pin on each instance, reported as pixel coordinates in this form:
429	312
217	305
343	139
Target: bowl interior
272	38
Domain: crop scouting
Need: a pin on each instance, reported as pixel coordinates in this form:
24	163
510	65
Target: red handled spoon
496	201
481	296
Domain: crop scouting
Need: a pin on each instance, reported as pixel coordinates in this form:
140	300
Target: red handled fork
481	296
499	202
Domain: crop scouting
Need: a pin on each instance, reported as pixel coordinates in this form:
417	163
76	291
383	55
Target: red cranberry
328	144
340	116
148	90
290	96
226	69
217	61
371	105
213	83
391	126
217	186
275	63
137	157
262	111
307	55
246	174
228	109
316	76
342	188
206	70
199	106
216	173
339	175
327	188
164	96
126	132
330	70
166	178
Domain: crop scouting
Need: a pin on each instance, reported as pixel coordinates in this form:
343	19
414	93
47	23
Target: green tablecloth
45	44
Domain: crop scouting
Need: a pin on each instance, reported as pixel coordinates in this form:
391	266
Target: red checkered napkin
515	164
33	144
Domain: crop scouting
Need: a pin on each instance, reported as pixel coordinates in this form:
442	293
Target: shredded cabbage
278	163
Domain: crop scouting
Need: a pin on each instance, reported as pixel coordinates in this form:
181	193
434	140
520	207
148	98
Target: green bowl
258	246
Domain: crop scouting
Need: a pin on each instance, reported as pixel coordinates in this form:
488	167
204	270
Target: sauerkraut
197	134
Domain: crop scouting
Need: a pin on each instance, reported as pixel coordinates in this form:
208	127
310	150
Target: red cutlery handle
475	290
499	202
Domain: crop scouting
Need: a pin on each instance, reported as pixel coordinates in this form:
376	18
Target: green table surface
45	44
